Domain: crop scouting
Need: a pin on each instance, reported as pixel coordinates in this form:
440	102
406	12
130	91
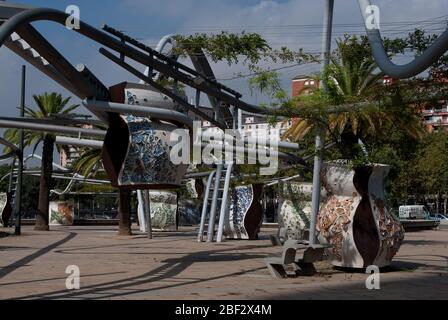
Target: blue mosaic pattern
148	159
242	198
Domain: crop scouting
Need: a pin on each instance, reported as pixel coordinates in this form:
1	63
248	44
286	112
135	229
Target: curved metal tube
168	39
76	177
42	14
420	63
10	145
45	126
161	114
35	156
66	141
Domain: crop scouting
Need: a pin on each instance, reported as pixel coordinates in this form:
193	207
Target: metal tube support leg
316	186
141	211
205	207
147	209
326	50
211	222
225	195
18	196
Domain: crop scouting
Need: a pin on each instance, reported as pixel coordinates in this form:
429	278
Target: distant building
304	85
436	119
69	154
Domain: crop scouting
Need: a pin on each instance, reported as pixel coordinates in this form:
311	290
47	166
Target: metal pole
212	218
147	206
326	50
225	195
18	196
205	206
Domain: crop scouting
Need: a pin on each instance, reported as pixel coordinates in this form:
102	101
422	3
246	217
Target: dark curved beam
41	14
417	66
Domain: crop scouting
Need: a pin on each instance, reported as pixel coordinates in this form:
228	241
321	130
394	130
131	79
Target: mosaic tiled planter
245	213
136	152
295	210
163	206
164	210
354	218
61	214
5	209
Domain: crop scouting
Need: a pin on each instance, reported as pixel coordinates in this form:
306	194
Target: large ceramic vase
163	207
136	152
190	206
5	209
295	210
61	213
245	213
354	219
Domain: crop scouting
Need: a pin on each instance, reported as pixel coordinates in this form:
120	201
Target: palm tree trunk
45	184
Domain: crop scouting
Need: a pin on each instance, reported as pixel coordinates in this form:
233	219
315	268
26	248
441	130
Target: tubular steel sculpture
138	119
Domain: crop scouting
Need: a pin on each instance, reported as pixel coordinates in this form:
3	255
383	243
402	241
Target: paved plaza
175	266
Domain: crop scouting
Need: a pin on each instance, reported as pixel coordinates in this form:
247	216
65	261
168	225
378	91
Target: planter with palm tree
354	218
49	105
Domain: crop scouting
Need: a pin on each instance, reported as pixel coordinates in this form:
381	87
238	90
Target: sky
292	23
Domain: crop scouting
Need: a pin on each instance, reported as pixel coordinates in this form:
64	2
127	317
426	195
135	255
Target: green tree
353	78
49	105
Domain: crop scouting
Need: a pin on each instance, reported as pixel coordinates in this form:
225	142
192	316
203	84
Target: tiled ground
175	266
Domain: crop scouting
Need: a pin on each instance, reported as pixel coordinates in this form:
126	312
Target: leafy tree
352	78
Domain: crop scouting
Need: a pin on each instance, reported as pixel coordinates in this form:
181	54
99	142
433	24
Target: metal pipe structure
79	178
326	50
176	98
55	165
214	205
10	145
160	114
250	140
45	126
417	66
150	58
18	194
66	141
205	207
157	61
225	196
166	40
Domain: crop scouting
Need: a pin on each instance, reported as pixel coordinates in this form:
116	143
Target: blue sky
293	23
149	20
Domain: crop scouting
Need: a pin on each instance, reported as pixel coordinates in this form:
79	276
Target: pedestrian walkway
175	266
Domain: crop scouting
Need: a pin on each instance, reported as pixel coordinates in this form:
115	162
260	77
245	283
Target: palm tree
351	78
48	106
